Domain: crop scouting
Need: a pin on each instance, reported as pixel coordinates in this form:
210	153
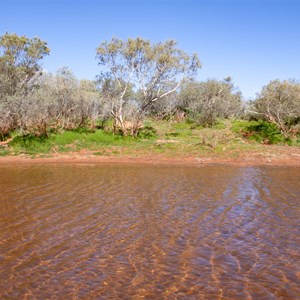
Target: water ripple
142	232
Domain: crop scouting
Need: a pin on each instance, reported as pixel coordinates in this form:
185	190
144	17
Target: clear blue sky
251	41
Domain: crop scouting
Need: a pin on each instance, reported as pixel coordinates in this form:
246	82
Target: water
149	232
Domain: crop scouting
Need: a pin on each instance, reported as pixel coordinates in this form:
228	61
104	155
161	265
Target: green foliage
147	132
85	138
4	152
239	126
180	126
19	70
168	138
30	144
279	103
69	140
152	70
219	125
207	102
19	61
264	132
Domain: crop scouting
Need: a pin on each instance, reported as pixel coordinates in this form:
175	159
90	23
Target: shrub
147	132
264	132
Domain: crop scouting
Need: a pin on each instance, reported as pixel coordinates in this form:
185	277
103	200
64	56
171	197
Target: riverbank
160	142
267	155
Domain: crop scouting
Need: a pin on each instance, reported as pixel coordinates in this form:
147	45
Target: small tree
153	70
19	61
71	103
207	101
19	66
279	103
167	108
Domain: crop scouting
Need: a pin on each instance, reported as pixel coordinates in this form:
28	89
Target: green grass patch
239	126
30	144
72	140
219	125
4	152
260	131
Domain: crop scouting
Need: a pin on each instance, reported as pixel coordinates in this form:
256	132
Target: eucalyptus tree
167	108
152	70
279	103
19	61
68	102
20	58
210	100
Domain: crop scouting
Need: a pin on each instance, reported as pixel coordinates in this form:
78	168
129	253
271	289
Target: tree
71	103
58	101
279	103
154	71
19	61
212	99
19	66
167	108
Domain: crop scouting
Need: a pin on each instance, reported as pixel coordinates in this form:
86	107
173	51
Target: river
149	232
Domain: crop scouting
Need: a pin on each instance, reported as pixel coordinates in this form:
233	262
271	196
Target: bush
31	144
206	102
264	132
279	103
147	132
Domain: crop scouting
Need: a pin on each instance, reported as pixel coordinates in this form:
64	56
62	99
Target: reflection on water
149	232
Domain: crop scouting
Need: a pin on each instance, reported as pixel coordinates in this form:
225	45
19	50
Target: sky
252	41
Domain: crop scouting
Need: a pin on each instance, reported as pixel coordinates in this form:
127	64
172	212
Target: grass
72	141
171	139
4	152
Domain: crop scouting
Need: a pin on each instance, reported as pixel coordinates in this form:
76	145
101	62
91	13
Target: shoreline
245	159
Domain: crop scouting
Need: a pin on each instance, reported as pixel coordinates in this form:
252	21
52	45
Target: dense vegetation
142	89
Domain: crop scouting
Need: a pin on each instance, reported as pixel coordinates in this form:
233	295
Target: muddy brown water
149	232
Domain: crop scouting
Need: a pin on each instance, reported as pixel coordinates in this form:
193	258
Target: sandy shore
285	157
